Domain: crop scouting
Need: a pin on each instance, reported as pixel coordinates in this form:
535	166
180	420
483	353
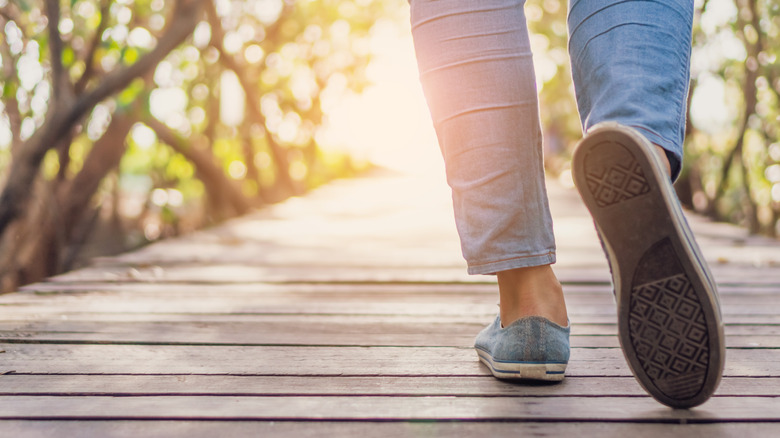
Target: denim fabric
477	73
630	62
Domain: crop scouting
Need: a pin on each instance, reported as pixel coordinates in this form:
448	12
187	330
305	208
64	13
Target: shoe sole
669	321
552	372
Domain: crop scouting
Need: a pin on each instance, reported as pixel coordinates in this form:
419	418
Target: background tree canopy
126	121
131	120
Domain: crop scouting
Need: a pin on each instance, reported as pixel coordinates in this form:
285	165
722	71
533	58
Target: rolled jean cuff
520	261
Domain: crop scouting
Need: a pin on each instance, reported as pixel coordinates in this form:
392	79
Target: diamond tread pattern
667	327
668	331
617	183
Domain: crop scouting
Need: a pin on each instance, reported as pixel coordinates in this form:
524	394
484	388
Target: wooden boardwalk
348	313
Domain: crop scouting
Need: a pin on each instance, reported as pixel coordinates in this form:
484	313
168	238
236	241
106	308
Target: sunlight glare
268	11
231	99
5	131
710	111
164	103
388	124
29	66
143	136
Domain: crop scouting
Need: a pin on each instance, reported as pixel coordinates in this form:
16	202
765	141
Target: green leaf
9	90
131	93
129	55
68	56
23	5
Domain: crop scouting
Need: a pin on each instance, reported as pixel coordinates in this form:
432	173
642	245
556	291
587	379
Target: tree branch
182	23
213	176
10	12
89	60
105	155
61	93
13	200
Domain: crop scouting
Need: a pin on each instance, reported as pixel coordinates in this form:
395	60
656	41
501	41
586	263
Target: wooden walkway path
348	313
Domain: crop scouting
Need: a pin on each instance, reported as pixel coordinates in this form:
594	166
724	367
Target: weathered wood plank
239	273
284	360
577	296
415	301
482	311
136	385
299	331
639	409
208	248
120	322
375	429
485	290
108	315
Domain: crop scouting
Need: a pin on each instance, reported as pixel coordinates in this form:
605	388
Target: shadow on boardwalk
348	313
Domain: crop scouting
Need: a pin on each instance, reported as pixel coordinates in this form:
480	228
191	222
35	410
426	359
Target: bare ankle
531	291
664	159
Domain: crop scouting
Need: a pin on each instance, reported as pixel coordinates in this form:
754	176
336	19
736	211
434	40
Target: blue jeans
630	64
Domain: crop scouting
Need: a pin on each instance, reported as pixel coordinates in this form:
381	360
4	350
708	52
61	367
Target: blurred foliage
549	40
220	120
733	155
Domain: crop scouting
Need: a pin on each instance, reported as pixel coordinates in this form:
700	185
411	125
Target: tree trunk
33	250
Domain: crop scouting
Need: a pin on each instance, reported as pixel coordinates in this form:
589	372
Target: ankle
531	291
661	152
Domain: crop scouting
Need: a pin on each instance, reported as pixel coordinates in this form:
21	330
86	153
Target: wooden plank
730	274
487	289
641	409
336	361
456	386
375	429
96	322
216	274
761	301
477	311
21	313
298	331
109	315
335	304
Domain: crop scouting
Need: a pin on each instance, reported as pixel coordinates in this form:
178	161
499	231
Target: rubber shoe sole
551	372
669	321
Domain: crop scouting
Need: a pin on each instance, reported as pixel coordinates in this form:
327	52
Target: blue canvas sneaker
530	348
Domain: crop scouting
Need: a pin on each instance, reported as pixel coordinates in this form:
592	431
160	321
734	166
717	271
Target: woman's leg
631	64
477	73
